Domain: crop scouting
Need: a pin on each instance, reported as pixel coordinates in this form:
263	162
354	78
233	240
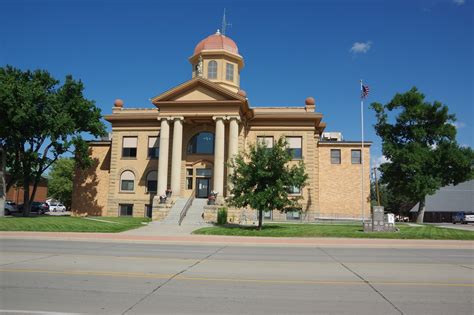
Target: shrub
221	216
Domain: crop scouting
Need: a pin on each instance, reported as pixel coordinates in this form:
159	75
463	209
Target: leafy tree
60	180
262	177
39	121
421	146
392	202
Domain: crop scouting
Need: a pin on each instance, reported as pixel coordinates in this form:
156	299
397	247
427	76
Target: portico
219	158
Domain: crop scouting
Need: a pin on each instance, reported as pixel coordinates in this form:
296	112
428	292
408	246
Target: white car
56	207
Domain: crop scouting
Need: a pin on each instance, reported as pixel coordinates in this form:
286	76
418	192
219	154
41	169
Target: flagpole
362	150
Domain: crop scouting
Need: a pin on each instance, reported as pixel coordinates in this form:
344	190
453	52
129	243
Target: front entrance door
203	187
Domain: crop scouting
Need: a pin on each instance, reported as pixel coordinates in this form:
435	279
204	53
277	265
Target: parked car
463	218
56	207
10	207
36	207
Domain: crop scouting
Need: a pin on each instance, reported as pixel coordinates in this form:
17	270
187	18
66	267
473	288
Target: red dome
217	41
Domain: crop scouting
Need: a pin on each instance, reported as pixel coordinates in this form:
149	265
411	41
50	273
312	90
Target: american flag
365	91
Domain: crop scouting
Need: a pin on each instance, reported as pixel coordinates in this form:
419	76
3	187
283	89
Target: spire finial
224	23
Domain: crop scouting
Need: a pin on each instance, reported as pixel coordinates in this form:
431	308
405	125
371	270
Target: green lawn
70	224
334	230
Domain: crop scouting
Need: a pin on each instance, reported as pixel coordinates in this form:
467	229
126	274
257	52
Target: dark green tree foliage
39	121
392	202
262	177
421	147
60	180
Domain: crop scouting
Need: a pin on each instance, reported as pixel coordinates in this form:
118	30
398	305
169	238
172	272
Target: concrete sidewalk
241	240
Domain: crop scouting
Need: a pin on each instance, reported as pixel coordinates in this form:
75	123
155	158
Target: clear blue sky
293	49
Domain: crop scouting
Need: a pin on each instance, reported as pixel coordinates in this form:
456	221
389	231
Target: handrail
186	207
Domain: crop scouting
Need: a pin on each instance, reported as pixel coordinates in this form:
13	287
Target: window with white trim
265	141
127	181
295	147
129	147
153	147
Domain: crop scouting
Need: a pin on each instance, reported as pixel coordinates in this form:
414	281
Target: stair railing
186	207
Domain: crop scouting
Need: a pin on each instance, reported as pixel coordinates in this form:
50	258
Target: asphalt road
114	278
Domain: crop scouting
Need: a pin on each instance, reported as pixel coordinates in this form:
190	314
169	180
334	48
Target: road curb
241	240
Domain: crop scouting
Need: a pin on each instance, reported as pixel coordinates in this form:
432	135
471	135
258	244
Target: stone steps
194	214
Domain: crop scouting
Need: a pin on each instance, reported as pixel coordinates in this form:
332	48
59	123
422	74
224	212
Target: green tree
392	202
39	121
421	147
262	177
60	180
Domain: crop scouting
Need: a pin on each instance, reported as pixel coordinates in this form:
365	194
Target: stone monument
380	222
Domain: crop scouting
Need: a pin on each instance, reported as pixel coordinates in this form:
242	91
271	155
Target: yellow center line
269	281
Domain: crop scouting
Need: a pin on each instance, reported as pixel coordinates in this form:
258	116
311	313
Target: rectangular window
229	72
126	185
189	183
293	190
129	147
293	215
153	147
189	178
295	147
267	214
205	172
335	156
355	157
126	209
266	141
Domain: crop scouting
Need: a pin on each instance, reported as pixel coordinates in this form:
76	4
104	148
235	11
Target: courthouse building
183	143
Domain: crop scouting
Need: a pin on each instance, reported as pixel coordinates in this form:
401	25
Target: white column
176	156
219	156
163	158
233	140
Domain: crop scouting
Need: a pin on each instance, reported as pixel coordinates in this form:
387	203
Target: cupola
217	59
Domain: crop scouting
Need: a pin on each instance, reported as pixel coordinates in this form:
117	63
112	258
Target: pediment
197	89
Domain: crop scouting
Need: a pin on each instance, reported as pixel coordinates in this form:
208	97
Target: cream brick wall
140	166
90	185
340	184
309	201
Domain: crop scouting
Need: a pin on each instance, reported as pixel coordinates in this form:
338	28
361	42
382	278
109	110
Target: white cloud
376	162
458	124
459	2
360	48
465	145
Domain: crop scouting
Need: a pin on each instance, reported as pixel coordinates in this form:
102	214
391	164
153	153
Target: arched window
201	143
212	70
127	181
151	181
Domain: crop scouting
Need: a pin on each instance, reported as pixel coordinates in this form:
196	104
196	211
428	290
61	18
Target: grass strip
332	230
